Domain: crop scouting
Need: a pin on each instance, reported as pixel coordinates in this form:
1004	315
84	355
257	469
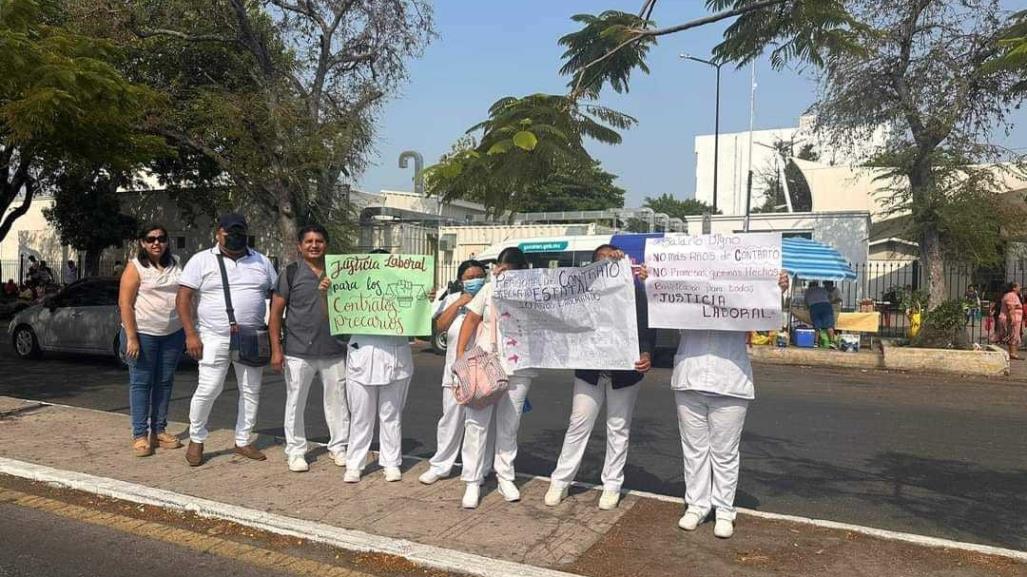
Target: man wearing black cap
208	336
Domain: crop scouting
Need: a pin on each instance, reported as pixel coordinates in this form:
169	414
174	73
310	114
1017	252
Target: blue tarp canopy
811	260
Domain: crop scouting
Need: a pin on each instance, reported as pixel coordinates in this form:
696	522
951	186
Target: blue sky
489	49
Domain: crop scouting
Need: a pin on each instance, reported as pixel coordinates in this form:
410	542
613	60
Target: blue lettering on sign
551	246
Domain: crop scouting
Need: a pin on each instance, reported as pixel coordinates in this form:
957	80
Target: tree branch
18	212
163	32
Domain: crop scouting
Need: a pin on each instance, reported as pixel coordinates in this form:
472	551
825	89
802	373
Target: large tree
280	95
62	101
676	208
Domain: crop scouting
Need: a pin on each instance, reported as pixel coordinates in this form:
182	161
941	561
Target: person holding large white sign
569	318
715	289
619	389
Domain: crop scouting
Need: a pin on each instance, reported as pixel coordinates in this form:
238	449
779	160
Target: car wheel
438	342
26	345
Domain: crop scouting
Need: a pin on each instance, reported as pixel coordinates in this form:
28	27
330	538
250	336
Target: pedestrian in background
310	350
449	317
619	389
1010	318
119	268
821	312
506	411
151	338
713	385
209	338
71	271
378	373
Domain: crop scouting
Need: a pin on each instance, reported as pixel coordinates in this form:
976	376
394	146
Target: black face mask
235	241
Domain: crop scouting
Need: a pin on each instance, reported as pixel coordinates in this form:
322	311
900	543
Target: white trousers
211	381
450	435
368	403
506	412
588	399
299	373
711	428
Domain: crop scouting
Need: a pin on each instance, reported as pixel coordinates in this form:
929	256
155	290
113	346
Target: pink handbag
478	377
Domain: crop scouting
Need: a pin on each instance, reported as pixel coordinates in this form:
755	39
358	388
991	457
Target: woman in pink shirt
1010	318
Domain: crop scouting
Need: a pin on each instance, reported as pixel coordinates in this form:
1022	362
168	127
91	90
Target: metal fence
884	283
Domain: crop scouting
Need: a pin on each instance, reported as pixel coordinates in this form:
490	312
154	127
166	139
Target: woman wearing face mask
449	317
619	389
506	411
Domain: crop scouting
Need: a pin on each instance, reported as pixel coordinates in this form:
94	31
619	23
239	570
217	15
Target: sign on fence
569	318
716	282
380	294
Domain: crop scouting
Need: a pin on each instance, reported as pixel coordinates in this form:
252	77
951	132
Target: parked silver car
82	318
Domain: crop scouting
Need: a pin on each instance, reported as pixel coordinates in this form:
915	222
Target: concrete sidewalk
639	538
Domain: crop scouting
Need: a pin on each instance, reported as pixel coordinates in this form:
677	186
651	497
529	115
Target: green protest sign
380	294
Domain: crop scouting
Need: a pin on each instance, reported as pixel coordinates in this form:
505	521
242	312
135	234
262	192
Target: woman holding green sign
378	372
506	411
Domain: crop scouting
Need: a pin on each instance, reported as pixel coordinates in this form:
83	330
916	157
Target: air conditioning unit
447	242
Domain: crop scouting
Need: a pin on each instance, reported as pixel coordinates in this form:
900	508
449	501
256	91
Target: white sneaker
691	520
724	528
555	494
351	476
339	458
472	494
609	499
509	491
429	477
298	464
393	474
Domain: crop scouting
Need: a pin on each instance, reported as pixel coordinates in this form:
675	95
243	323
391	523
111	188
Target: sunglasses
152	239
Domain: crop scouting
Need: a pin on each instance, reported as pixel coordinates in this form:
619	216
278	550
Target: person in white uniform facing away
712	383
449	317
506	411
309	349
378	372
620	390
209	339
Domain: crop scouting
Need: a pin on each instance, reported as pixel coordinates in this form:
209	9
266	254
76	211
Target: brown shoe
142	447
166	440
194	454
250	452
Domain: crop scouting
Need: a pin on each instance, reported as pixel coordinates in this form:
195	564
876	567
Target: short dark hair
514	257
468	264
314	228
379	251
167	259
605	246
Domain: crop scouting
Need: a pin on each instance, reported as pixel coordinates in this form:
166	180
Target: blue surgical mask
474	285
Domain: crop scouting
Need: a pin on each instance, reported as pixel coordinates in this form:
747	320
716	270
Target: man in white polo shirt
208	337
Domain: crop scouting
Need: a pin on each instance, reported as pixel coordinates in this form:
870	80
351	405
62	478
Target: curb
426	555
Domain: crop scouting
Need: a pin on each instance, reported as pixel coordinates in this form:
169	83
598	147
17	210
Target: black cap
232	219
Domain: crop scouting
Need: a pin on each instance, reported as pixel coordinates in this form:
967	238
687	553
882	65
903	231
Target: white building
733	160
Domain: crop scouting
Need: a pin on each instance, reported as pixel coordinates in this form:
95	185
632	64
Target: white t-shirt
714	362
250	280
376	360
481	307
452	335
155	310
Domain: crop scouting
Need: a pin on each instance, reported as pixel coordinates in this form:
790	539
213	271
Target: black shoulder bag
253	344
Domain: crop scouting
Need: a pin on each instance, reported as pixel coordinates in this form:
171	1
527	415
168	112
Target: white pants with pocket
299	373
711	428
506	412
381	403
213	368
588	400
450	435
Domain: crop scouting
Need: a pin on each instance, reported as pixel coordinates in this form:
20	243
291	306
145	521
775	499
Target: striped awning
811	260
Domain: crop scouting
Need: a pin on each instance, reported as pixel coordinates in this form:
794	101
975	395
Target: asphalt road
924	454
40	544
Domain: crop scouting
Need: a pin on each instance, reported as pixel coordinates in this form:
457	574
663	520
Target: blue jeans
150	376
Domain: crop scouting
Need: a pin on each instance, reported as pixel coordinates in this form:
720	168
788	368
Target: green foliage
601	35
87	212
944	326
674	208
504	174
1013	50
62	100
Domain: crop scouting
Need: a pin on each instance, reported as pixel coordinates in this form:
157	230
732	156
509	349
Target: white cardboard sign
724	282
570	317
